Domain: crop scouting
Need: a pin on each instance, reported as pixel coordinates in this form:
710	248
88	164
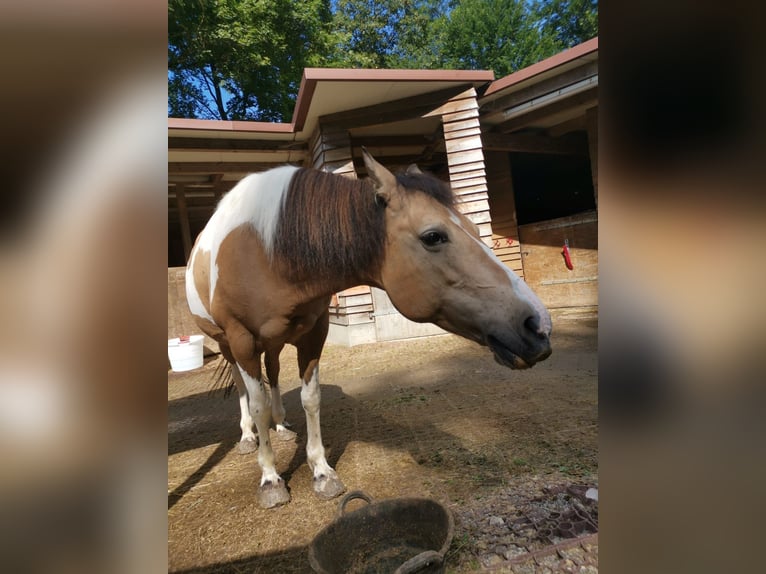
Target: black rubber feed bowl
395	536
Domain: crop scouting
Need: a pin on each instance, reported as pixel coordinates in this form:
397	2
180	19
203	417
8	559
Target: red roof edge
544	66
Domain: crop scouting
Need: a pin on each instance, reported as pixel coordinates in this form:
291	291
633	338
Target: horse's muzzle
538	350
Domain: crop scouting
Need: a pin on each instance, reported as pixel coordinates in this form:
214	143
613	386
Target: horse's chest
289	327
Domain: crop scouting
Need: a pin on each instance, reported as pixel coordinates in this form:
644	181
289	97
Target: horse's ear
384	180
413	170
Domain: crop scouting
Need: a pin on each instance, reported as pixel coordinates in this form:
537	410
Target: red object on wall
567	257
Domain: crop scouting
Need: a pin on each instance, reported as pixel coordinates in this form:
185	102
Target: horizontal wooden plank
345	311
474	206
459	176
456	105
348	301
464	167
469	189
459	116
472	196
468	132
463	157
351	319
356	290
479	217
485	231
463	144
456	126
507	252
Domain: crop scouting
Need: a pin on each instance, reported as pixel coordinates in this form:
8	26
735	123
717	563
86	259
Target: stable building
520	153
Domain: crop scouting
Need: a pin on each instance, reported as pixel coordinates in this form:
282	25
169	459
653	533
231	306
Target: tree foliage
499	35
243	59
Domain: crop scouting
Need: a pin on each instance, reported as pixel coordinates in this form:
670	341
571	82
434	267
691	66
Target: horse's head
437	269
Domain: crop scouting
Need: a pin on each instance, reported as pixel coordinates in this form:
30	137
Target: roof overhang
549	93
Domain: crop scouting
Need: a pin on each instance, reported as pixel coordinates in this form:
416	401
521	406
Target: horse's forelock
428	184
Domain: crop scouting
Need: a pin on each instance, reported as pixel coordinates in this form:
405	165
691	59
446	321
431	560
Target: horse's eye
433	238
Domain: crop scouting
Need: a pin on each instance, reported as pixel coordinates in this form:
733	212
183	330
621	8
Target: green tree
387	33
242	59
499	35
570	22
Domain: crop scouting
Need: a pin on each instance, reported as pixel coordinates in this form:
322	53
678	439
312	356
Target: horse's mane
331	227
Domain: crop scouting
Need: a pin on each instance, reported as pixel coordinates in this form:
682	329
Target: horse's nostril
532	324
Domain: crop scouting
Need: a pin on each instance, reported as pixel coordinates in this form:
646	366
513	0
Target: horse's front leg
277	408
327	485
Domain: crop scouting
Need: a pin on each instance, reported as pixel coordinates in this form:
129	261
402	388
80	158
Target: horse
262	273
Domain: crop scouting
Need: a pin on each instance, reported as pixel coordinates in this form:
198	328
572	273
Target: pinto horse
281	242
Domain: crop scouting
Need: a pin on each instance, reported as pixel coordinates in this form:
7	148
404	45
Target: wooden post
468	178
591	116
331	151
183	216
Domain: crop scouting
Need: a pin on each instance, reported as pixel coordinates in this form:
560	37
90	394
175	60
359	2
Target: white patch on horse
196	306
260	410
519	285
256	200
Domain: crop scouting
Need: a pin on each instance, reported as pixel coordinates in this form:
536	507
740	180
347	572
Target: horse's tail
222	377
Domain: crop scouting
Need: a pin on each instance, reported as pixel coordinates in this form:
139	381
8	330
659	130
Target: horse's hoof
248	445
286	435
328	486
271	495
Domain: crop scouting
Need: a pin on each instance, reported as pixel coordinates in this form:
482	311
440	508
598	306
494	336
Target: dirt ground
510	453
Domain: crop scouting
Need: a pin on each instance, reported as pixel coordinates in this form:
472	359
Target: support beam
208	167
532	143
183	215
583	100
592	120
206	144
404	109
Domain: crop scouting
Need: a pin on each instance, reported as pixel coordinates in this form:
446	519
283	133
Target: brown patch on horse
310	370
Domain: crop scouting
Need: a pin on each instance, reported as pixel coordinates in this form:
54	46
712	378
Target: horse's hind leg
248	443
277	408
327	485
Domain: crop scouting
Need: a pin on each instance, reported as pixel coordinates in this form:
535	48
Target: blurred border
83	250
682	320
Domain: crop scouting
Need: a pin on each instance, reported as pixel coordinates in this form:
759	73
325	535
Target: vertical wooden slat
183	216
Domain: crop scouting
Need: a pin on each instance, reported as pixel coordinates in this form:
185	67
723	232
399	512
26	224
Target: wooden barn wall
544	267
180	320
505	228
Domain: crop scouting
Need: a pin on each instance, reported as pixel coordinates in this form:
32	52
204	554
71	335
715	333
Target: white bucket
185	353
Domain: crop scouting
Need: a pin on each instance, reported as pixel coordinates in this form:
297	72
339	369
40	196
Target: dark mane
429	185
330	227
